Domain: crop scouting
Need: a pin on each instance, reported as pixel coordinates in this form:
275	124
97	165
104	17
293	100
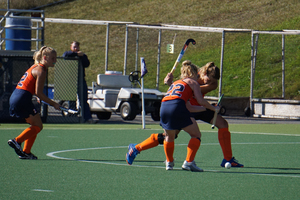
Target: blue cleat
131	154
233	162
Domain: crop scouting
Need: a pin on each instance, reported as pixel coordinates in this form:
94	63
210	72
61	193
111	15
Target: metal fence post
221	63
283	66
158	59
80	90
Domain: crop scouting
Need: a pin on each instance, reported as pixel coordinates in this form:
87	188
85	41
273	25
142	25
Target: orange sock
169	150
150	142
28	144
192	149
28	133
225	142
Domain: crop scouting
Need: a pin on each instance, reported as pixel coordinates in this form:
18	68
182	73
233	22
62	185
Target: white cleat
169	165
191	166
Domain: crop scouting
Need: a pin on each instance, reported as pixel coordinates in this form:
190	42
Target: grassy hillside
255	14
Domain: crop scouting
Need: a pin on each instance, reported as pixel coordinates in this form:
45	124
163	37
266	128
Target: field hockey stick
186	44
216	112
64	109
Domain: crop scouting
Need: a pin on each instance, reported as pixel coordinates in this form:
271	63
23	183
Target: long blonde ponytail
44	51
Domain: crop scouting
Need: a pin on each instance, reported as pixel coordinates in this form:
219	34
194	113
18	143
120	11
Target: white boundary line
52	154
41	190
205	131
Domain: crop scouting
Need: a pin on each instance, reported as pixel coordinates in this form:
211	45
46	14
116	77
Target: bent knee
221	123
37	128
196	135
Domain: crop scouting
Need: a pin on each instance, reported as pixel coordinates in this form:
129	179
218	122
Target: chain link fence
63	88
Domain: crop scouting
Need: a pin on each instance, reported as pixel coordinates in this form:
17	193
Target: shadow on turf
205	170
258	173
285	171
277	168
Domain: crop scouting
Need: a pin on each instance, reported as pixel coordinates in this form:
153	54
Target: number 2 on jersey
22	79
175	90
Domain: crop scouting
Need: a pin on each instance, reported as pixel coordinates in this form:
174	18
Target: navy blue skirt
174	115
20	104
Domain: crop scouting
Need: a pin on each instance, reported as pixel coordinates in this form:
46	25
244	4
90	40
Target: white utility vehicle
115	93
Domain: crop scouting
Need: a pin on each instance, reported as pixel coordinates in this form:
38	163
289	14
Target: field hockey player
175	116
21	106
209	75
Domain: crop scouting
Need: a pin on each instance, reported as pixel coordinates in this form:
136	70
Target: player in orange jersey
209	75
21	106
175	115
208	78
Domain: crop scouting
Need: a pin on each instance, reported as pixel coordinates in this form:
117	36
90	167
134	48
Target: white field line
41	190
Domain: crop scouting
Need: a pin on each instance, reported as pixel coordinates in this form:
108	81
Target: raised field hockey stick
216	112
186	44
64	109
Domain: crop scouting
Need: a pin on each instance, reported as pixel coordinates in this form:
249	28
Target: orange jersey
193	101
179	90
28	81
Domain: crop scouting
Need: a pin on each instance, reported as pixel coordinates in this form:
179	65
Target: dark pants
87	113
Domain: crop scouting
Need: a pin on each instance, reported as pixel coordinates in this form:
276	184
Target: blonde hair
44	51
210	70
188	69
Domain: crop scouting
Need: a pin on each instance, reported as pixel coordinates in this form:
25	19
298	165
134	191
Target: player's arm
40	76
169	79
193	108
198	95
209	87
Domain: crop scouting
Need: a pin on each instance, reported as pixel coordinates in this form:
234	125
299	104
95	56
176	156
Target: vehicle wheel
128	111
222	110
155	114
103	115
247	111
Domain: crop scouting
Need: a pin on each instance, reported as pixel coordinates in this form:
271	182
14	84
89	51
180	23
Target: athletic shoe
233	162
169	165
191	166
17	146
28	156
131	154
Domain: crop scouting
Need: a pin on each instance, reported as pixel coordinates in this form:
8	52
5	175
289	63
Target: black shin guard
161	138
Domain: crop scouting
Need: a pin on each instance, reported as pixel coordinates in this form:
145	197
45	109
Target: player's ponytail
210	70
44	51
188	69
